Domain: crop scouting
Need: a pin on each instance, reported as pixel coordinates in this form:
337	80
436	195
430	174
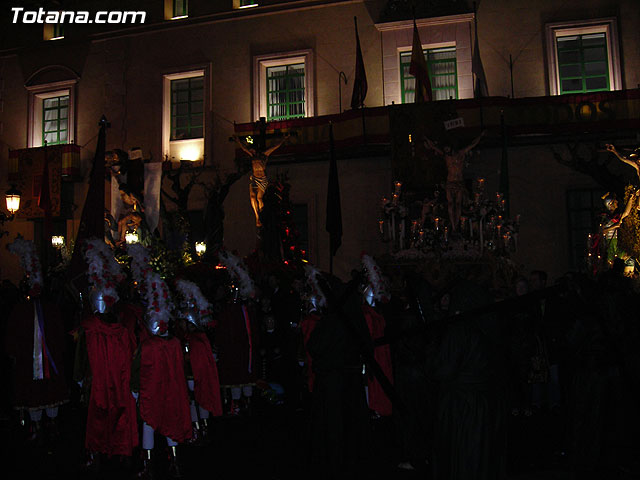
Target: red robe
164	399
205	373
111	419
378	400
307	325
27	392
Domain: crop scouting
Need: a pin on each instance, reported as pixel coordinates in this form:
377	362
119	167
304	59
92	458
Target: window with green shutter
443	74
285	92
583	63
180	8
187	104
55	120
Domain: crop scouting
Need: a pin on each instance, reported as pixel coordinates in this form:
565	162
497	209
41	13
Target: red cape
164	400
308	324
378	400
111	420
205	373
131	315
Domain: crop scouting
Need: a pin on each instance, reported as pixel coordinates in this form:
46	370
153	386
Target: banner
26	168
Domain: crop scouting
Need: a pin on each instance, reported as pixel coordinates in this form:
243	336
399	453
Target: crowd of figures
474	386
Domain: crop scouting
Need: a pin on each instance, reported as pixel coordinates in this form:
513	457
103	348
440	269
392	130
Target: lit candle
57	241
381	226
384	201
446	234
414	227
396	197
398	186
436	222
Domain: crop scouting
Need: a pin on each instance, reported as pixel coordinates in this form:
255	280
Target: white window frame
601	25
193	148
37	95
260	65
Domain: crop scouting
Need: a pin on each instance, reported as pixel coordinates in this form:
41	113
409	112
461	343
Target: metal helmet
97	301
190	313
157	325
369	296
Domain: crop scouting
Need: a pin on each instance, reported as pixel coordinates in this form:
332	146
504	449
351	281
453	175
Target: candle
384	201
381	226
436	222
396	197
398	186
446	234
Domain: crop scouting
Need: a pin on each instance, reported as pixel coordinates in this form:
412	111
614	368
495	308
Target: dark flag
334	211
92	220
360	81
44	202
480	89
418	68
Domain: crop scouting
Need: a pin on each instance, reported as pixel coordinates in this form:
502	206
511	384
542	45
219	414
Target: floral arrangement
192	293
374	276
152	287
313	286
239	274
29	261
104	271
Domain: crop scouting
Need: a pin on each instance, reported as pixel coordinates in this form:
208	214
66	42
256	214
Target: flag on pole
480	88
418	68
360	80
44	202
334	211
92	220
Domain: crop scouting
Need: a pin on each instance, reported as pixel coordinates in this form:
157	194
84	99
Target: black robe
470	433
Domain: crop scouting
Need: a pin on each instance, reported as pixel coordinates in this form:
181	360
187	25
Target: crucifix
259	155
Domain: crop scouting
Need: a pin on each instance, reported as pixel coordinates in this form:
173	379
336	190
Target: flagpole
475	29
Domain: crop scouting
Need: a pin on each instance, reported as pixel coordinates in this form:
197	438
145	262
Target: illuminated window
283	88
51	113
55	120
582	63
285	92
185	97
244	3
53	31
187	101
443	74
180	8
583	57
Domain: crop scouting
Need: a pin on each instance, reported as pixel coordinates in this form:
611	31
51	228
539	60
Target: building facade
179	85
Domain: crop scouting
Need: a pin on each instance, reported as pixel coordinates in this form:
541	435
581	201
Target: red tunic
205	373
308	324
30	393
164	400
111	419
378	400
